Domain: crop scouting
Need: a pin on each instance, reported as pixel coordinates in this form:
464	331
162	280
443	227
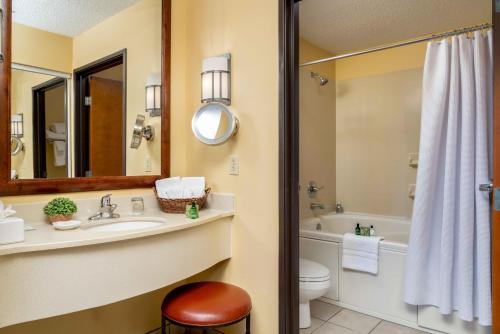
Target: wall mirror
77	75
214	124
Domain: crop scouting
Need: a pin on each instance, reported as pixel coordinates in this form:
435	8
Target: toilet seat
311	272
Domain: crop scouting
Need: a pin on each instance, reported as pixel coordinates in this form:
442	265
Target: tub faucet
106	211
339	208
316	206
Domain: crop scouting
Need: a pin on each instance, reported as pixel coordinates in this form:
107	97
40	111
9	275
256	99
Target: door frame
495	228
81	76
288	168
38	110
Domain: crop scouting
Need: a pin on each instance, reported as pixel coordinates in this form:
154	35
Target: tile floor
331	319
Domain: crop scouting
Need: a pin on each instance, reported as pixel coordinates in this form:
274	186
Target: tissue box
11	230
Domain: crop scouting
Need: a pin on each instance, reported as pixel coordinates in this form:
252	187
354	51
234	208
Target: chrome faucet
317	206
106	211
339	208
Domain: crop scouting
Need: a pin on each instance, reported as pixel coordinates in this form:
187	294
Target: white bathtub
378	295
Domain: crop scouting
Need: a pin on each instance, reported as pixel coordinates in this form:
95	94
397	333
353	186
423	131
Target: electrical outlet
148	165
234	165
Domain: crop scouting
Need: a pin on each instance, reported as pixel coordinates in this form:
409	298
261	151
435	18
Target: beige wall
137	29
378	124
40	48
317	129
202	29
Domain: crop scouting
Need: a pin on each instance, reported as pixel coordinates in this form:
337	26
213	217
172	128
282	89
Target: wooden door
106	149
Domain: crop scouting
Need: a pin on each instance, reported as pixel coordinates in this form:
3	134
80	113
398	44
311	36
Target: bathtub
377	295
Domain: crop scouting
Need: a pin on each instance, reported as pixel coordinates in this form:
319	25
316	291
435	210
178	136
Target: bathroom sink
125	226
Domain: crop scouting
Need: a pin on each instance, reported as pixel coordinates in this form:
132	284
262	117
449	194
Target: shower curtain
448	261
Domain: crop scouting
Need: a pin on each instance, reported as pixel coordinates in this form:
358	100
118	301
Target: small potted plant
60	209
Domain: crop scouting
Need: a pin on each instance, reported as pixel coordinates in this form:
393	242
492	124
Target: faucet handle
106	201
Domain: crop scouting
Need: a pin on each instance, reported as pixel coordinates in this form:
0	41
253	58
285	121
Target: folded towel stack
177	187
360	253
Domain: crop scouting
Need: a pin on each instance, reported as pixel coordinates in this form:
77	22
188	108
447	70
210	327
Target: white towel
193	187
360	253
177	187
169	188
58	127
57	135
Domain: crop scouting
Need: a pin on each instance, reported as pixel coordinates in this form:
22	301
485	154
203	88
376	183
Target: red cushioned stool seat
206	305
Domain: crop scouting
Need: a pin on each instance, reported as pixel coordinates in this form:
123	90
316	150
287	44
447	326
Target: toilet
314	283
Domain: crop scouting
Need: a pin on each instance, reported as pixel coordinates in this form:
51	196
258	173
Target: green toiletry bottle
193	212
357	230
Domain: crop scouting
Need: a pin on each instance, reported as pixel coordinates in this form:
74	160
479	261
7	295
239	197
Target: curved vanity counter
59	272
45	237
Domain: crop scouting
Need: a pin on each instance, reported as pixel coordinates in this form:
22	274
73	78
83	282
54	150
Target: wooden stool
205	306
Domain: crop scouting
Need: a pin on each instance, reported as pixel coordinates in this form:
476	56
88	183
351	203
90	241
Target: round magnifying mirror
214	124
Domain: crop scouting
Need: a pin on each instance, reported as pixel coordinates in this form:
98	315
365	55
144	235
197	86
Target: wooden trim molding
41	186
289	169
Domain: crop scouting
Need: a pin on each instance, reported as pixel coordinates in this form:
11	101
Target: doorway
100	117
289	169
49	117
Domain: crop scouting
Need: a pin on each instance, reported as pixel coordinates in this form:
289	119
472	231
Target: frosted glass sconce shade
153	95
17	126
216	80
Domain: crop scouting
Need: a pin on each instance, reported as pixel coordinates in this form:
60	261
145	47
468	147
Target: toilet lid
311	271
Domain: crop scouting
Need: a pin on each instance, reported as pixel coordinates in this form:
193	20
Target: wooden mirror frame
41	186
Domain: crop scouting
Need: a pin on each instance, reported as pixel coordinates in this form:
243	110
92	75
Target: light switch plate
413	160
234	165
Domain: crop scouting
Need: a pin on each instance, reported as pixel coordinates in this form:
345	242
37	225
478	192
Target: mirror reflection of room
79	81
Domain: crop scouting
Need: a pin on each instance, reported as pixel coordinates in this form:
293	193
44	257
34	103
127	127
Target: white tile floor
331	319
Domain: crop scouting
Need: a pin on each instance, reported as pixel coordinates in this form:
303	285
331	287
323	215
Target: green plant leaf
60	206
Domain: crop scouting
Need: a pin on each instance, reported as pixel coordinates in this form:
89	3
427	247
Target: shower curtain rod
408	42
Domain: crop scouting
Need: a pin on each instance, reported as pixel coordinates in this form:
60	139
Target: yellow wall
40	48
378	124
381	62
202	29
214	27
317	129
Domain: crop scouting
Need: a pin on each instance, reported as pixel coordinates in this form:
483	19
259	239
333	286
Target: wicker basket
179	205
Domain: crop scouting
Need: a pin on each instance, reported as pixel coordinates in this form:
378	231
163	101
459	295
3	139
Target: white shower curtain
448	261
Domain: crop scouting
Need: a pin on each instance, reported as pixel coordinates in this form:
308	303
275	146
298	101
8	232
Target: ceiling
66	17
341	26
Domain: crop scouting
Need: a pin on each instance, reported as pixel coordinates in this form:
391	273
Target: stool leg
247	331
163	325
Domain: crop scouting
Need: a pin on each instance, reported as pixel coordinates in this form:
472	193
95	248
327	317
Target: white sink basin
125	226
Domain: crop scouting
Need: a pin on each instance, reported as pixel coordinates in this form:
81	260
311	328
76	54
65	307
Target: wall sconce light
141	130
216	80
17	126
153	95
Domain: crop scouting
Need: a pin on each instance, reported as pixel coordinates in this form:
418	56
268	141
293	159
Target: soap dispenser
357	230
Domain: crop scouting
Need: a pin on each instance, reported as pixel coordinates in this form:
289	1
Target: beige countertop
46	237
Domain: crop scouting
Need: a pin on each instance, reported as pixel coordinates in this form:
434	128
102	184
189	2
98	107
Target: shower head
322	80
